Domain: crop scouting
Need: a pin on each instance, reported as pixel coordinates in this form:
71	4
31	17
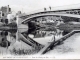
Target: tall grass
23	51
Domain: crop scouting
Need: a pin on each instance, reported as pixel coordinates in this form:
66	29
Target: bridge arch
50	14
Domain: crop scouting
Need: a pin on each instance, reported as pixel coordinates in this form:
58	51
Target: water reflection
34	35
10	34
7	34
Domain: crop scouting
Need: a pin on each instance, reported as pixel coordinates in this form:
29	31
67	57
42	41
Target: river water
10	39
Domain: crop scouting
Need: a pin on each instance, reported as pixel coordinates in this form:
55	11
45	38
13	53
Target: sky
34	5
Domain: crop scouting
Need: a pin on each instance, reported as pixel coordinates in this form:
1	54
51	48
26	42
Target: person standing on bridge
44	9
50	7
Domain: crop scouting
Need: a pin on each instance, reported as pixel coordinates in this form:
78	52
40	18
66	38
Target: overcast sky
32	5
